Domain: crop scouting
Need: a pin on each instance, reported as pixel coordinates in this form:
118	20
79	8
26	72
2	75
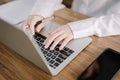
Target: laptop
32	48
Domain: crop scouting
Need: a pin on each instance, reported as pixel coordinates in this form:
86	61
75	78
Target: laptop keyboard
54	57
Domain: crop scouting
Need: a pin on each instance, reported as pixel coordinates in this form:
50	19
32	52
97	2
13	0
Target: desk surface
15	67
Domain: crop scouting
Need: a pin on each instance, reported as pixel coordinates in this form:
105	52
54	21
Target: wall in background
4	1
68	3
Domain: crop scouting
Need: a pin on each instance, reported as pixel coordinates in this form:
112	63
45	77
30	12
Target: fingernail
26	26
60	48
44	42
46	47
32	33
51	49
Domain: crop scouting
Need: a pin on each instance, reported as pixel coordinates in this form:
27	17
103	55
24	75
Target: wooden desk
15	67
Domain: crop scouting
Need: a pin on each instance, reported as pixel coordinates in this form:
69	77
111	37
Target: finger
64	43
54	31
39	27
51	38
24	25
32	27
57	40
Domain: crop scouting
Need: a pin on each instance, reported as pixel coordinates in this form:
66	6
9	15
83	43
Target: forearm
102	26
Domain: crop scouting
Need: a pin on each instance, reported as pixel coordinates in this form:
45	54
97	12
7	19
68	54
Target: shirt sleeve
102	26
46	8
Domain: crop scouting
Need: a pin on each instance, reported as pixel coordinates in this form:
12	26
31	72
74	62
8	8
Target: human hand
62	33
31	21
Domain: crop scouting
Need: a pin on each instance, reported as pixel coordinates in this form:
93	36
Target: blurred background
4	1
68	3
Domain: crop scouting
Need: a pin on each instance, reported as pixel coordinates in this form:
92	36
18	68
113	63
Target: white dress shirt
105	20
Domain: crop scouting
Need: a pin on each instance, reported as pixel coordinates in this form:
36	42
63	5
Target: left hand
62	33
31	21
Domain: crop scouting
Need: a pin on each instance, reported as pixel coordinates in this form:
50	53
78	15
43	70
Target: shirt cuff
83	28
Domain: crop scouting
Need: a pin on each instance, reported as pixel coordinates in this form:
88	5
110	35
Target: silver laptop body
21	42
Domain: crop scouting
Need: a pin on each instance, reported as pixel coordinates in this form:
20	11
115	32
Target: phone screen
104	67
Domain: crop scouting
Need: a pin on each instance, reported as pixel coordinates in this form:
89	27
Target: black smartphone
104	67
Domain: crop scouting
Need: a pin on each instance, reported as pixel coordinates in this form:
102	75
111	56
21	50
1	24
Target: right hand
31	21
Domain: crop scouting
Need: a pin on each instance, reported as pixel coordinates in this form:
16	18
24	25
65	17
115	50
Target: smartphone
104	67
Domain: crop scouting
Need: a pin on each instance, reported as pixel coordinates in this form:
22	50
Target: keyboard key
56	64
37	38
42	49
51	61
56	53
57	49
61	51
59	60
51	51
66	49
47	58
49	54
65	53
39	35
44	52
71	51
52	66
62	56
53	57
42	40
40	44
58	45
